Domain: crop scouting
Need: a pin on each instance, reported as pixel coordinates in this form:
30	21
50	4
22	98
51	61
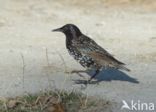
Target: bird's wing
105	60
91	48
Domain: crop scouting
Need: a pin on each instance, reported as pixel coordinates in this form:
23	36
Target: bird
87	52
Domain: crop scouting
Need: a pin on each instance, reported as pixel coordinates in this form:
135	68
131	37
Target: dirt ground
35	59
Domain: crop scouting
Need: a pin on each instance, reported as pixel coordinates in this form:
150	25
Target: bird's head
70	30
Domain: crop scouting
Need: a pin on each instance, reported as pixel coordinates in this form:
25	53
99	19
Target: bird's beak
58	30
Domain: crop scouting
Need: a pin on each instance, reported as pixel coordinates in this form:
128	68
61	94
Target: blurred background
32	58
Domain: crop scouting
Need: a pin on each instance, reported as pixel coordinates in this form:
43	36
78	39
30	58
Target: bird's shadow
108	75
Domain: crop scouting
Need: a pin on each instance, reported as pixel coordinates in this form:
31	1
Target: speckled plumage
87	52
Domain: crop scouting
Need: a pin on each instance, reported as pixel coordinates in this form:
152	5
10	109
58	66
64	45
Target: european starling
87	52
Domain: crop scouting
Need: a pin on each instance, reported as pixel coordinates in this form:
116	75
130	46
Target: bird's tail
124	68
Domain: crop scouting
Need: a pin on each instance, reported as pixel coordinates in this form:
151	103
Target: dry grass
54	102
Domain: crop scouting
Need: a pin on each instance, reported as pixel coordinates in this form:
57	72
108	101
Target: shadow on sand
109	75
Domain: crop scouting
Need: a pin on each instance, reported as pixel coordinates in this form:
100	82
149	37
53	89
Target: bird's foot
77	72
91	81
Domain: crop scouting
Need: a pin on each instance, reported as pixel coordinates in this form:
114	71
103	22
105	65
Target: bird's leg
96	73
78	71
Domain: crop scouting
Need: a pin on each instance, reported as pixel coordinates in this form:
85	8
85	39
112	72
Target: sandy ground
35	59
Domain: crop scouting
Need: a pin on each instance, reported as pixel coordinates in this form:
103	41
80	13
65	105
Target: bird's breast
84	60
74	52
